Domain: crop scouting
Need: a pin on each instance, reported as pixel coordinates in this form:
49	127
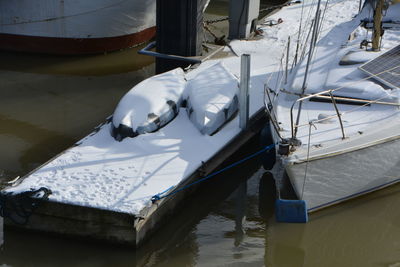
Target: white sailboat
337	118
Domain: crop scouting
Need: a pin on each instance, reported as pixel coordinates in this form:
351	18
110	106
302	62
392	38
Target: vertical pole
312	44
1	231
179	31
310	53
287	59
377	25
244	91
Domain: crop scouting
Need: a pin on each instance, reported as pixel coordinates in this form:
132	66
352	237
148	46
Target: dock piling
179	31
243	17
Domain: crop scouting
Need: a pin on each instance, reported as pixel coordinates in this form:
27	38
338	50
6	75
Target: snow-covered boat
338	125
75	27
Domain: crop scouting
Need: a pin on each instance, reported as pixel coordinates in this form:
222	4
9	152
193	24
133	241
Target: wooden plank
94	230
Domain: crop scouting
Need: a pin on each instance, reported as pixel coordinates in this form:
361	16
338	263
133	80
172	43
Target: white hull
83	20
72	19
333	179
337	157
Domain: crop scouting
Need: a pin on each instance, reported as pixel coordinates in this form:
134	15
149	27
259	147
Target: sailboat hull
334	179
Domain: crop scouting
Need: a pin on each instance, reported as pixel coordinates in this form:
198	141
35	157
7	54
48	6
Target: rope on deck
19	207
164	195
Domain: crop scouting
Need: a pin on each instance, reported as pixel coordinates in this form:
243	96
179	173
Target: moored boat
71	27
338	121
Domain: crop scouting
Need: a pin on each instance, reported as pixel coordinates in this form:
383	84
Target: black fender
268	158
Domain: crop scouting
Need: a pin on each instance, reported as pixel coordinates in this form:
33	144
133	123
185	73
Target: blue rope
161	195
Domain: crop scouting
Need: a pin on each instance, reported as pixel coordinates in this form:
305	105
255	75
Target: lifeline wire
161	196
308	156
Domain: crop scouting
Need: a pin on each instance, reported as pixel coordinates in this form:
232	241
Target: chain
212	21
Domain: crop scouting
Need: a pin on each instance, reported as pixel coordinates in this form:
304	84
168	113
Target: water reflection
356	233
240	212
126	60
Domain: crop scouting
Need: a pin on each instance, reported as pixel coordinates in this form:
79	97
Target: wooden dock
123	228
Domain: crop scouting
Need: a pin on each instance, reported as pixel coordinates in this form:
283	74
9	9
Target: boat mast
376	38
312	44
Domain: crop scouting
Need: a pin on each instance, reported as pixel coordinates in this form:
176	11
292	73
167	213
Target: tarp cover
212	98
149	105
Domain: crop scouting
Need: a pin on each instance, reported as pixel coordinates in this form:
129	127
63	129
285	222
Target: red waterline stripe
72	46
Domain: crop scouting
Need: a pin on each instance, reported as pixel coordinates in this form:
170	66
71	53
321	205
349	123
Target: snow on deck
122	176
326	73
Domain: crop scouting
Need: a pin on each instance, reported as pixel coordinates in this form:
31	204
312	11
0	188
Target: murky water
47	103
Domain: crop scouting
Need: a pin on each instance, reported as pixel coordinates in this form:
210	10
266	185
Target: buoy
268	158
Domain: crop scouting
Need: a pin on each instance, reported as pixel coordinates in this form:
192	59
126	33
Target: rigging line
318	32
280	70
308	157
281	78
321	22
308	21
310	54
161	195
304	46
301	33
271	112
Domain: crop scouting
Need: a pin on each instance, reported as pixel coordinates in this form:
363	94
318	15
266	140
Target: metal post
244	91
338	114
287	59
377	26
310	53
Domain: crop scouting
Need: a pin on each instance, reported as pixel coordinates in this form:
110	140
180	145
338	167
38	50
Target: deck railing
328	95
